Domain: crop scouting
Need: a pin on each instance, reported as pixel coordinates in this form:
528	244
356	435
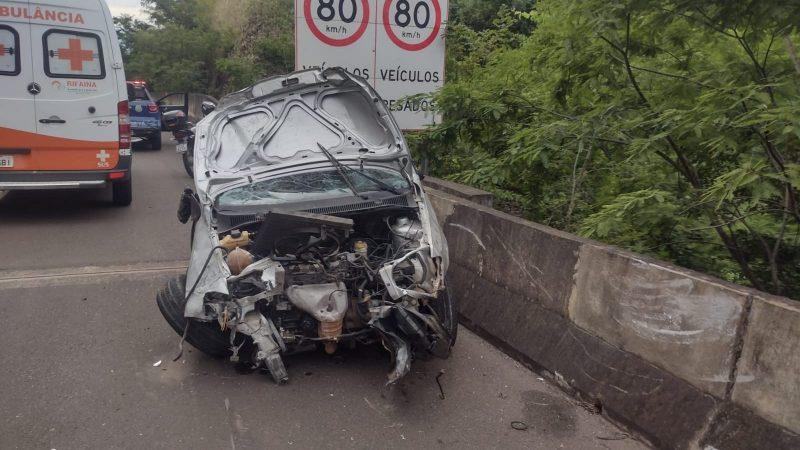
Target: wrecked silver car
310	230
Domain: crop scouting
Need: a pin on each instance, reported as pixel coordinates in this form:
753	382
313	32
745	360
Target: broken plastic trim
395	291
404	332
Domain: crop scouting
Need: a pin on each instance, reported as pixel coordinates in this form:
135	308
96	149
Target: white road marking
81	275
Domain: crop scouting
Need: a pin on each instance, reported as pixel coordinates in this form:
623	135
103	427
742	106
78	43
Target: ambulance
64	119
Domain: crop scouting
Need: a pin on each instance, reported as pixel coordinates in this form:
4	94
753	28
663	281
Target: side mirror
189	206
207	107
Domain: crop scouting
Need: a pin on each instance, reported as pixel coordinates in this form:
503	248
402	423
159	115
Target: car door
17	124
174	101
78	104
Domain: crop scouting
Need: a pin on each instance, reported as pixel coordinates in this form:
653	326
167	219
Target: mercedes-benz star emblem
34	88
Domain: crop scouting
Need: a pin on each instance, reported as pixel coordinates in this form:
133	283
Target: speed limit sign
340	30
397	45
408	27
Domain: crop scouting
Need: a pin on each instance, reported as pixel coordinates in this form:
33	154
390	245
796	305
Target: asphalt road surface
86	359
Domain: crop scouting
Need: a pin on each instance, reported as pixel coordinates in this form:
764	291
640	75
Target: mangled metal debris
311	230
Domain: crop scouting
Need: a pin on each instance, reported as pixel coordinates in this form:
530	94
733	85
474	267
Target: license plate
6	161
182	147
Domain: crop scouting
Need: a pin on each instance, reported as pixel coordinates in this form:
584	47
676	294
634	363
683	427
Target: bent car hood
282	121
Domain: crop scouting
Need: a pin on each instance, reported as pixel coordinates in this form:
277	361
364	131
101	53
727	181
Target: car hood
282	121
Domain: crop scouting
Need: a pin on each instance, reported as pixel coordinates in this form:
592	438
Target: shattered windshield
310	186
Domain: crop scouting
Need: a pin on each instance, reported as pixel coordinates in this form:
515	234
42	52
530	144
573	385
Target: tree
180	51
183	13
127	26
668	127
265	46
479	15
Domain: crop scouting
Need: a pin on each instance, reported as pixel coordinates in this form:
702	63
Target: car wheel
155	141
204	336
188	163
122	192
447	310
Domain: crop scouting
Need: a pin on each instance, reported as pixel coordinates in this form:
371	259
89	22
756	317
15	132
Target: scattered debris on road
519	426
617	436
439	383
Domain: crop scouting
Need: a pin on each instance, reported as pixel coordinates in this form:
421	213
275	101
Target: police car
145	115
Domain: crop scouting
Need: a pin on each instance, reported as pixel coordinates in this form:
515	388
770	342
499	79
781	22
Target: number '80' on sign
404	16
412	25
337	22
347	9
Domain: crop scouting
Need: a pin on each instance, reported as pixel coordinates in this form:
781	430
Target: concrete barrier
682	359
672	318
769	368
472	194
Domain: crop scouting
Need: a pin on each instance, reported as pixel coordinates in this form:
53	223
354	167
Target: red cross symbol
75	54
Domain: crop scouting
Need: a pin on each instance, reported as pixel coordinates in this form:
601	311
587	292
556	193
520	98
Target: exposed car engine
302	280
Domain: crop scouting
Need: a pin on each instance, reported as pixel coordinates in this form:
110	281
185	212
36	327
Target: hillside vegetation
669	127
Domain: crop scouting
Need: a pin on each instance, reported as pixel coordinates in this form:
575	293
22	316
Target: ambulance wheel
204	336
155	141
122	192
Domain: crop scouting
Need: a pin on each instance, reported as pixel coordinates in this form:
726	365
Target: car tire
122	192
446	308
155	141
204	336
188	163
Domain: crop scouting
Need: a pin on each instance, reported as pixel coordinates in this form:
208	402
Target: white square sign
397	45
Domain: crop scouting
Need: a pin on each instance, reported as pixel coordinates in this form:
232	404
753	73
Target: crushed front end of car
311	230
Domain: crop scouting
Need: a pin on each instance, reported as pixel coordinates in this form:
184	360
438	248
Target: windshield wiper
381	184
340	167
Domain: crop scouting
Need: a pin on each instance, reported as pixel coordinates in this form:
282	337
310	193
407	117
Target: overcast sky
132	7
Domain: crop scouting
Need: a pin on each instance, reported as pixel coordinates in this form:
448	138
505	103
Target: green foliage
239	72
127	27
183	13
192	45
480	15
175	58
276	55
668	127
267	41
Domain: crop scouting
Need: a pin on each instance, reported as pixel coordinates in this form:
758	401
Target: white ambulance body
63	99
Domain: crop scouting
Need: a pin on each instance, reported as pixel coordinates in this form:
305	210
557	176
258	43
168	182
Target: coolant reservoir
235	239
360	247
238	259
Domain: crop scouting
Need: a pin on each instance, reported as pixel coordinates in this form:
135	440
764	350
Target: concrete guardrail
682	359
